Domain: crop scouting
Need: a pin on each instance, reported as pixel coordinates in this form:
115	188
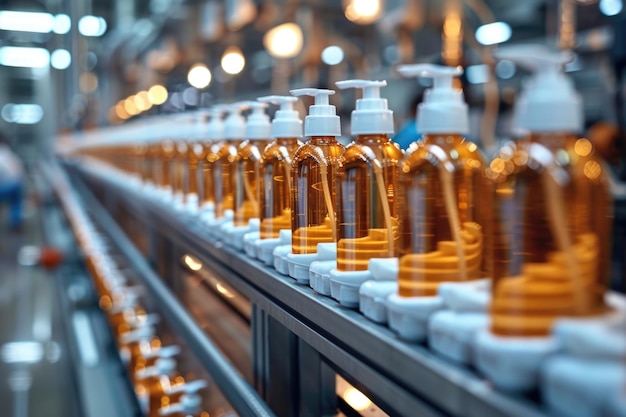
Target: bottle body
551	234
180	168
276	191
367	202
208	159
224	157
441	214
313	194
167	154
195	153
247	181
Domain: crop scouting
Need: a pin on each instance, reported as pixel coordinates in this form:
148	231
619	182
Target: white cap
549	102
258	122
371	116
322	119
215	127
235	124
140	333
163	352
188	387
187	404
443	109
286	123
162	366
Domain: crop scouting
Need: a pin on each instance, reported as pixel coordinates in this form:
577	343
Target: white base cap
344	286
468	296
451	334
299	266
280	259
512	363
215	225
373	299
408	316
250	241
234	234
191	204
593	338
208	207
319	276
327	251
265	247
384	269
572	387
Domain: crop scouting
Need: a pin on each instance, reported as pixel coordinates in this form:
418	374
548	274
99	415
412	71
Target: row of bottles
525	219
161	390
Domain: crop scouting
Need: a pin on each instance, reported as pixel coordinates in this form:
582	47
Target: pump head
371	115
235	124
322	119
550	102
188	387
162	366
215	127
258	122
188	404
286	123
443	109
163	352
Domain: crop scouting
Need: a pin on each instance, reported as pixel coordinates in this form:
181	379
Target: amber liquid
195	153
224	157
313	194
247	181
168	151
368	215
552	217
209	156
276	190
441	214
180	168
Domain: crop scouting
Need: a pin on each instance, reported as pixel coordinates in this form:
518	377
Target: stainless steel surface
405	379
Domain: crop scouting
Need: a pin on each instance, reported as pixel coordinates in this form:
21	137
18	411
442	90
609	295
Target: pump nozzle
548	90
188	387
235	124
258	123
286	123
162	366
140	333
215	127
371	115
147	320
443	109
188	404
163	352
322	119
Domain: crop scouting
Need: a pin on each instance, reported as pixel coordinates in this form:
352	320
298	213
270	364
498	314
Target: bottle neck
323	140
286	141
372	139
553	140
444	140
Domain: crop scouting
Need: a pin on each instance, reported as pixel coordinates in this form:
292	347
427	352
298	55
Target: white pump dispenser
190	402
322	119
215	128
258	122
235	124
549	89
371	116
443	109
286	123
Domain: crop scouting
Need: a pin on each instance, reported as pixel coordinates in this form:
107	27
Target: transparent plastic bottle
180	163
314	169
552	209
223	159
212	142
441	179
246	177
195	154
367	183
276	167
